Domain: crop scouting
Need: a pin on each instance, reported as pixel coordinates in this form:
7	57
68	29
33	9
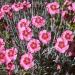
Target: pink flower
5	8
11	54
1	15
26	34
61	45
53	8
10	66
26	5
73	6
45	36
68	35
22	24
65	14
33	46
2	57
38	21
67	2
70	7
2	44
17	6
26	61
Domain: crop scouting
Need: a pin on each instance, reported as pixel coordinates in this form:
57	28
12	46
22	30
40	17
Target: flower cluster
35	41
9	9
7	56
25	29
62	42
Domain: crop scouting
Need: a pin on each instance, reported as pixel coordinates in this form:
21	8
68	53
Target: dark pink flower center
23	24
61	44
17	5
2	56
26	32
68	36
38	20
53	7
66	15
26	60
33	45
5	8
10	65
45	36
11	53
